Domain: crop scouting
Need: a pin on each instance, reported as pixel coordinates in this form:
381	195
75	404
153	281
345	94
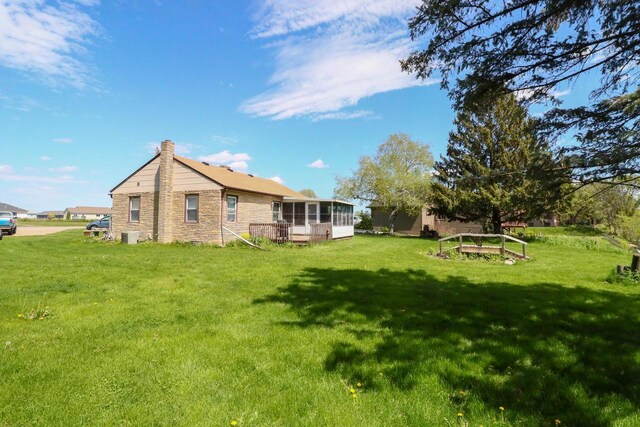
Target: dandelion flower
558	422
359	384
352	391
234	422
502	408
355	396
20	315
460	414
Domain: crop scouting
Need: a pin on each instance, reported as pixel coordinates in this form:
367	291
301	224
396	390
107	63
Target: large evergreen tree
481	49
496	169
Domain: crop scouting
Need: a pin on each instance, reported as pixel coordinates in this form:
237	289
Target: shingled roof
239	181
6	207
91	210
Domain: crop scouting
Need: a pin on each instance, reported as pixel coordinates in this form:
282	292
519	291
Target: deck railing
275	231
320	232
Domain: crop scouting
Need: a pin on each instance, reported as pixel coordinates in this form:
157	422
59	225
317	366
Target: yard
367	332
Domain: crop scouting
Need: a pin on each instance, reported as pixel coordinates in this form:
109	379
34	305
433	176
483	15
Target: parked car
8	223
104	222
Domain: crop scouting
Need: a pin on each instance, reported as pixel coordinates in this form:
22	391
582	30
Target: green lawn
201	336
51	223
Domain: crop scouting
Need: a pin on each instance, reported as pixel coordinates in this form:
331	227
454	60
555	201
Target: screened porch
302	214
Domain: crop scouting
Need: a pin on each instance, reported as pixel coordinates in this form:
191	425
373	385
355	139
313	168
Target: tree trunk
392	220
496	221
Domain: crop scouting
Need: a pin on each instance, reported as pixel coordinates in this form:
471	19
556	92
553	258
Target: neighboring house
415	225
50	215
172	198
550	221
18	212
86	212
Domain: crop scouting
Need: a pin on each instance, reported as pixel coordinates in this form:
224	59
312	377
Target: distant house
173	198
50	215
86	212
416	225
19	212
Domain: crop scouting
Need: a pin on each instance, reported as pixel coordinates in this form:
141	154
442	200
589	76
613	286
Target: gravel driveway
40	231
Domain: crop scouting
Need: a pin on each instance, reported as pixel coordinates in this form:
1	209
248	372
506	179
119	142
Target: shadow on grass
544	351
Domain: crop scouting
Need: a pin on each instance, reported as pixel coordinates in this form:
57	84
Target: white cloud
64	169
559	93
330	54
47	40
240	166
277	179
318	164
344	115
45	158
225	157
6	174
526	94
63	140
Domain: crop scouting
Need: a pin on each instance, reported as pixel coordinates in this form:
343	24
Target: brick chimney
165	192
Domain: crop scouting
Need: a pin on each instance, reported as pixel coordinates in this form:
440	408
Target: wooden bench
95	232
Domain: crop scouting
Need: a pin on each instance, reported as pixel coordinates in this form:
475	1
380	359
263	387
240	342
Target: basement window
191	208
134	209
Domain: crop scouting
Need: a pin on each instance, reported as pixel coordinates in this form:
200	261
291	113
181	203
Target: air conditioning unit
130	237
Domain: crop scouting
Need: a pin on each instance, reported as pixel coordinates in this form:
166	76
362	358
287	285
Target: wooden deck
279	232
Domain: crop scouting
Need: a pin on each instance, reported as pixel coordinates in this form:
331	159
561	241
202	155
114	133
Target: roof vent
205	163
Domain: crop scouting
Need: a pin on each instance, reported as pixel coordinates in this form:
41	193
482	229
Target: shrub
366	223
627	278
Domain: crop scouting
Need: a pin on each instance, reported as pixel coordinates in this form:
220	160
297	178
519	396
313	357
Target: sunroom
301	220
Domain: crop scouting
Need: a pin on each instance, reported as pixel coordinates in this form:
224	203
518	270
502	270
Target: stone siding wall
207	229
251	208
148	225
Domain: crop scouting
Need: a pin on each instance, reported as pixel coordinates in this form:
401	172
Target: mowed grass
200	336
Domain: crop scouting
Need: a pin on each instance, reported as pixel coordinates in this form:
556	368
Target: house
86	212
173	198
415	225
50	215
18	212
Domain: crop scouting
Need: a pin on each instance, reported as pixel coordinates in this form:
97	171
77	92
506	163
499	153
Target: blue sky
295	90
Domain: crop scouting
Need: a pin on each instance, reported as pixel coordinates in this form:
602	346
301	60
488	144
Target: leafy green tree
602	203
397	179
366	222
307	192
481	50
496	169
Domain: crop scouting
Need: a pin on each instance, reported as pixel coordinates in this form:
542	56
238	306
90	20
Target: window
232	208
134	209
191	208
342	215
287	212
275	209
325	212
298	213
312	209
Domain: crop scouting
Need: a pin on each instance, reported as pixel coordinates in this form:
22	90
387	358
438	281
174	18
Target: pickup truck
8	223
